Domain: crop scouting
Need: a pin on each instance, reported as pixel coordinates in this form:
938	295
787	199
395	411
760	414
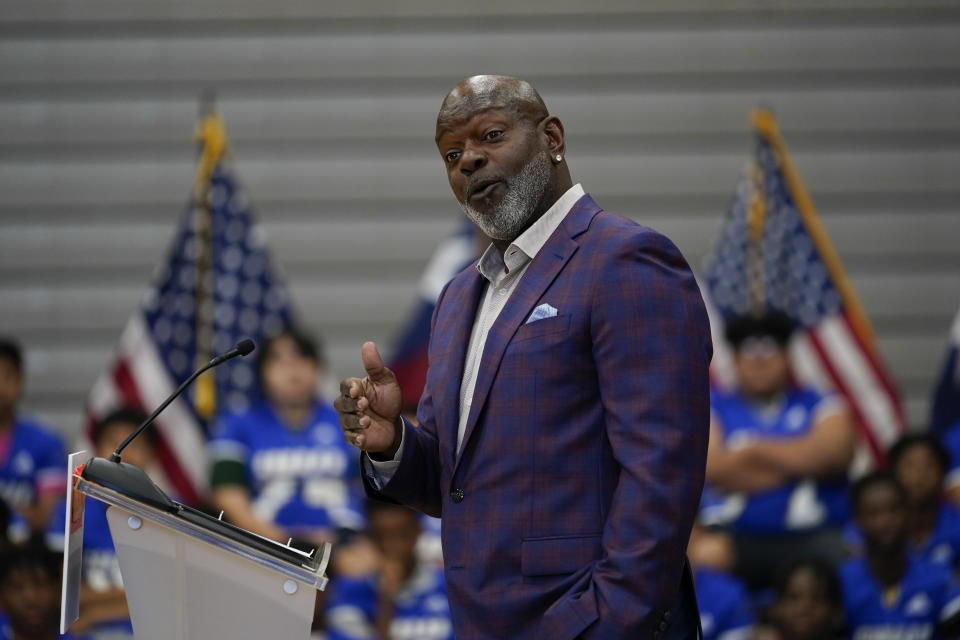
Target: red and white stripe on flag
138	378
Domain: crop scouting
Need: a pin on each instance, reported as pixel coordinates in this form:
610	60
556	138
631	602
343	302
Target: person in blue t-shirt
725	608
778	456
30	594
888	593
282	469
806	605
33	462
919	462
405	600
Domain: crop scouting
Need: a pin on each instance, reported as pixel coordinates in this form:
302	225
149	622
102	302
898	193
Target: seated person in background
807	604
32	457
405	600
724	603
889	593
950	437
282	468
103	605
778	455
919	463
30	594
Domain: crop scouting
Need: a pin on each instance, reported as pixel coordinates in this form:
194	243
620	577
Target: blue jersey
941	547
298	478
32	462
6	632
801	505
925	596
101	568
421	610
724	606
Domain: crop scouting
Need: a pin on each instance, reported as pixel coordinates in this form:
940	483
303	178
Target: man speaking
564	423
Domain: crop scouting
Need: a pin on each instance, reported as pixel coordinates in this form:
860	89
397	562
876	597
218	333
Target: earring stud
559	157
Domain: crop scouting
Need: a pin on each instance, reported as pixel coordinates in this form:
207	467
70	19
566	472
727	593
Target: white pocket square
541	312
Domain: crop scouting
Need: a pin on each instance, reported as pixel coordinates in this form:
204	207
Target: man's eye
451	156
492	135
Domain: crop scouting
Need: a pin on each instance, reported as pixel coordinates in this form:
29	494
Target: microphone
242	348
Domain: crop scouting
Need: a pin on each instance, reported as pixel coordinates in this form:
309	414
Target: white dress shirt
503	274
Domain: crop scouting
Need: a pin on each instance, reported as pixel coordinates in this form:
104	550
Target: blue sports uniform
6	632
925	597
32	463
299	479
942	547
724	606
101	568
421	610
802	505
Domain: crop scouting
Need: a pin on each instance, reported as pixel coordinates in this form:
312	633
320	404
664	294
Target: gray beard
525	190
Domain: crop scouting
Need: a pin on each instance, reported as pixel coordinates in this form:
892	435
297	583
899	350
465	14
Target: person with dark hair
404	599
725	608
919	462
103	605
889	593
33	462
807	605
778	456
30	594
280	468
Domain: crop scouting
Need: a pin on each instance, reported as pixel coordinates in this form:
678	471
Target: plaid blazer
568	511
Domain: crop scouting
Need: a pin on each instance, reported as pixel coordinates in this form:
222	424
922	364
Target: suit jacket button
457	495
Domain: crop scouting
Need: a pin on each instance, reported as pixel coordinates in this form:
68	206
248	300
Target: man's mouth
484	189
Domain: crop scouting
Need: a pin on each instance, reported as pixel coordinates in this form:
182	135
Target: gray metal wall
330	109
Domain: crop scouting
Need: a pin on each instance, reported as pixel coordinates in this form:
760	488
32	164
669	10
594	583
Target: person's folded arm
730	472
826	450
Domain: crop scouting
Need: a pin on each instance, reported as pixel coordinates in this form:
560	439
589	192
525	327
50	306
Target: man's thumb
373	363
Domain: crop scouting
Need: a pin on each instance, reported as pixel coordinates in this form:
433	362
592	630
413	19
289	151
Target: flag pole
211	138
764	122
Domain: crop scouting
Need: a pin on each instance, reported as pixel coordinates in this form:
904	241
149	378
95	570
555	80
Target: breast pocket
551	330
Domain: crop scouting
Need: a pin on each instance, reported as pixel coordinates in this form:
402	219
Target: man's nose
472	159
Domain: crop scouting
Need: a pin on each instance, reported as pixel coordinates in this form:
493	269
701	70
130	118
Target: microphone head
245	346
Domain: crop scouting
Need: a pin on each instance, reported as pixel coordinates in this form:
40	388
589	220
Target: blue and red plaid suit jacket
568	510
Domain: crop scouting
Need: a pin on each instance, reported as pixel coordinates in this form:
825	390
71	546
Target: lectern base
184	588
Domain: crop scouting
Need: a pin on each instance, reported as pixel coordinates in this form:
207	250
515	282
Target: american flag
409	362
773	253
946	396
218	281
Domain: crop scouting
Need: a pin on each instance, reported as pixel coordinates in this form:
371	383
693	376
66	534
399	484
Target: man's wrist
391	453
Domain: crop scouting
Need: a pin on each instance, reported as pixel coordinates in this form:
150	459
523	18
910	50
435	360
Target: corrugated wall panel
330	107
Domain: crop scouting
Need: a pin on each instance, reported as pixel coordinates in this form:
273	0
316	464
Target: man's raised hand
369	407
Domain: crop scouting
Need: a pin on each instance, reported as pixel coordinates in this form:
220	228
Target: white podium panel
181	588
188	576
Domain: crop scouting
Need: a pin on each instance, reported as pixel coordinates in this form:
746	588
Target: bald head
479	93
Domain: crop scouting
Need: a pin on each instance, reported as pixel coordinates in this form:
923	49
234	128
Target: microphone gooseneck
242	348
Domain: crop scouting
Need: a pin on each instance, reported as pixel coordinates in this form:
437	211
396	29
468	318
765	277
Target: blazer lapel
463	302
544	268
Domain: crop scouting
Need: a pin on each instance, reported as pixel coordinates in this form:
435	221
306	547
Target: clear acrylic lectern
190	576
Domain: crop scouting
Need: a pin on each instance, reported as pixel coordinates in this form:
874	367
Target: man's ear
553	136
